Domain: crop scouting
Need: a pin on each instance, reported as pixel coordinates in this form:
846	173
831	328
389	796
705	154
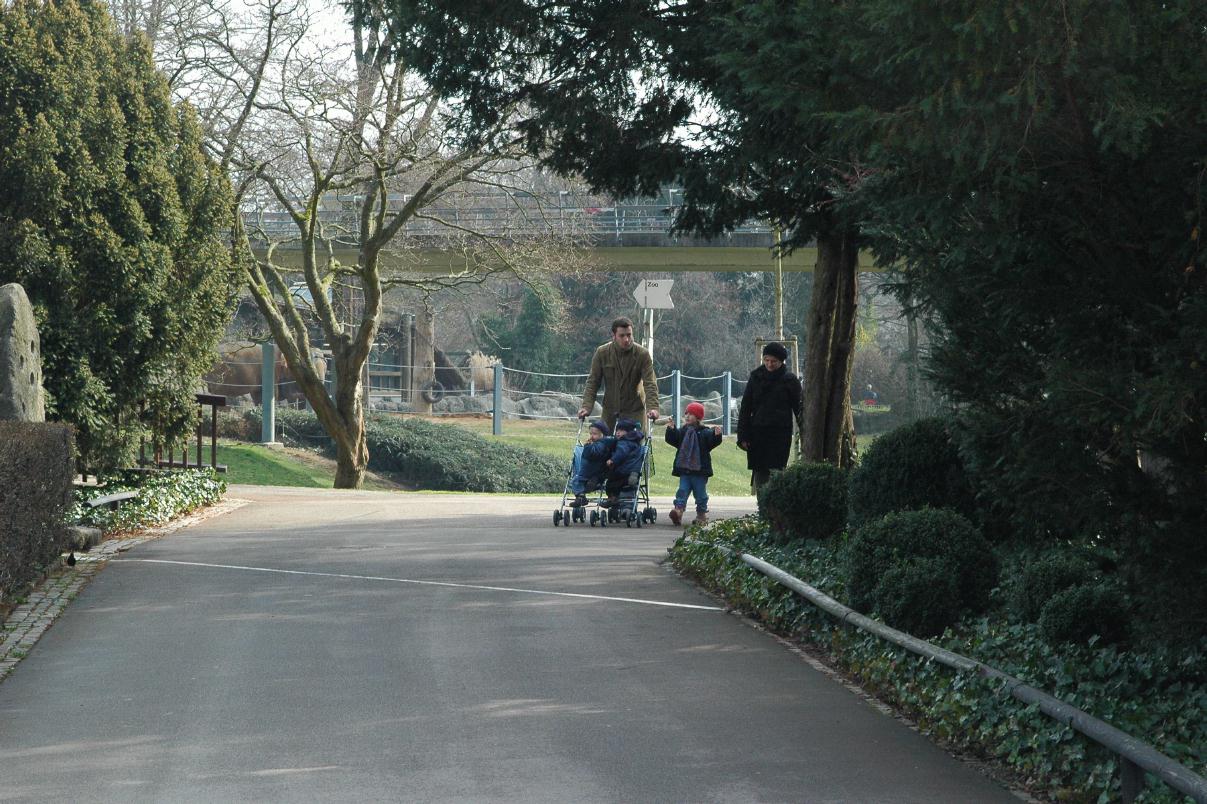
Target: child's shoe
701	518
676	516
579	501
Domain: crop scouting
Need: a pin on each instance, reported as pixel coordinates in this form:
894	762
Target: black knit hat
776	350
601	426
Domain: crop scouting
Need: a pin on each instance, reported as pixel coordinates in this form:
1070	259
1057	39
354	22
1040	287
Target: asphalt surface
360	646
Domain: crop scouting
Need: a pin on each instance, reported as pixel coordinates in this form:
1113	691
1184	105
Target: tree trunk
828	429
346	422
911	366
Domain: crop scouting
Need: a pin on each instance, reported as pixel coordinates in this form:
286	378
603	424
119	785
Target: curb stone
44	603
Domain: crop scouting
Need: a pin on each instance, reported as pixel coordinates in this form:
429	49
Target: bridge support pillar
268	393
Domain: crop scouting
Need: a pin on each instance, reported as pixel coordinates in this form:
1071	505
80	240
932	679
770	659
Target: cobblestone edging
46	601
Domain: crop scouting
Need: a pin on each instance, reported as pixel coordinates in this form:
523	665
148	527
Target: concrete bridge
620	235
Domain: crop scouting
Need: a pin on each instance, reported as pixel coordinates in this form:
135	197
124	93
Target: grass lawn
255	465
730	476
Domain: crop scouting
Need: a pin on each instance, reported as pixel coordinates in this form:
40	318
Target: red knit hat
696	409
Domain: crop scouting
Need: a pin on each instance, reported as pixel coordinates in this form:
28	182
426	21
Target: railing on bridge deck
638	223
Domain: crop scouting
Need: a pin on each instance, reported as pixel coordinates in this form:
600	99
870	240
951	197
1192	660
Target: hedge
430	455
36	469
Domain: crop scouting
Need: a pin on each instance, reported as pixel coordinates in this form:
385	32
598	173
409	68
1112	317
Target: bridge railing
497	216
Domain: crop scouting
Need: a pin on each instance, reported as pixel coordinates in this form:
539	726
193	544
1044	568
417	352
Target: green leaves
1158	695
117	220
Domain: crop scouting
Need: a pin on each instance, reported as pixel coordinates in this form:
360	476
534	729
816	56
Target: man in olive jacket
627	372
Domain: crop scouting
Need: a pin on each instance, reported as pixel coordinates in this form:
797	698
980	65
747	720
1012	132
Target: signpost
651	295
654	294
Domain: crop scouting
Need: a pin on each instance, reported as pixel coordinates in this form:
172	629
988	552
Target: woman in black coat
770	405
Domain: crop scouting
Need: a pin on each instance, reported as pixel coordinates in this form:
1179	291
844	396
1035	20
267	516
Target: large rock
21	396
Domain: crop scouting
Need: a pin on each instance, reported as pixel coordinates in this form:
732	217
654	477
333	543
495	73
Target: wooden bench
111	500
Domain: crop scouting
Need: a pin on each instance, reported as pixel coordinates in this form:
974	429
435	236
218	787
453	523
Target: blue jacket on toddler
627	457
592	465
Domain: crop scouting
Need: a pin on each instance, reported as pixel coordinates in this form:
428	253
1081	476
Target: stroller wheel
603	519
637	520
594	518
557	518
566	519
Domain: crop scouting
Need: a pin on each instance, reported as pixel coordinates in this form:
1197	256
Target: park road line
421	583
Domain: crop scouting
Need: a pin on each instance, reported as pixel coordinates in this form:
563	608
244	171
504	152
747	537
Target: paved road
364	646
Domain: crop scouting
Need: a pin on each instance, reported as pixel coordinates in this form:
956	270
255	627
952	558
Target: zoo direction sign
654	294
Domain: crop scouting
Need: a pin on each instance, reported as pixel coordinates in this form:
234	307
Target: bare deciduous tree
333	147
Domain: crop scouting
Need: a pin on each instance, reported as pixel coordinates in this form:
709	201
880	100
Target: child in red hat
693	463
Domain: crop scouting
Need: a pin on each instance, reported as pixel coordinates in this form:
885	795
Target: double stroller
633	505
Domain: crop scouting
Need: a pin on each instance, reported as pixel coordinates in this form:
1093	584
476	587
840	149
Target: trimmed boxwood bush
910	547
805	501
430	455
919	594
1038	581
912	467
1098	608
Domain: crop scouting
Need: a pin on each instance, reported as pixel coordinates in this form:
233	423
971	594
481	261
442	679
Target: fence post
676	395
497	428
726	404
268	392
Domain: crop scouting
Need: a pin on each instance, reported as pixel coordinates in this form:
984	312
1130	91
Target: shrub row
919	558
429	455
1158	695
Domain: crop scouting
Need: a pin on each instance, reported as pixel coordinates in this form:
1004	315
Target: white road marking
421	583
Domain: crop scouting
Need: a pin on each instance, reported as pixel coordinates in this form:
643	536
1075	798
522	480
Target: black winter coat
707	438
771	401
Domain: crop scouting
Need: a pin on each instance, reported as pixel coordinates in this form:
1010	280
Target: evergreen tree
633	95
115	220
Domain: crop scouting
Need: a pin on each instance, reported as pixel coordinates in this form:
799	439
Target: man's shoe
676	516
611	502
701	518
578	502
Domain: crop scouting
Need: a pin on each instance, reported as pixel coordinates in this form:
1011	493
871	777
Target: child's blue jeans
696	485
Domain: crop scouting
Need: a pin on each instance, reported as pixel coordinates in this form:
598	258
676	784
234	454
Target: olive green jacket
630	388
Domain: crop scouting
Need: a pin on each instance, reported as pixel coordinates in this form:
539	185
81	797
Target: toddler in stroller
624	467
587	472
591	468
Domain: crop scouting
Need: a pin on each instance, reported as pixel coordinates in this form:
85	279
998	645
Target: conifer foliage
114	221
